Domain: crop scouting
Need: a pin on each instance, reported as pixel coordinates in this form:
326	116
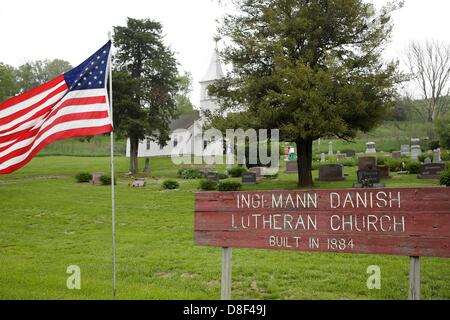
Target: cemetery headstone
258	171
396	155
367	163
427	161
291	166
214	176
331	172
249	178
370	148
437	156
416	151
431	170
330	148
405	150
96	178
138	183
322	157
350	153
384	172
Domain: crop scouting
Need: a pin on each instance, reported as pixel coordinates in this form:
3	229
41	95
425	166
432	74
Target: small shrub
414	167
236	172
349	163
434	144
223	176
422	157
229	186
105	180
208	185
315	166
445	179
170	184
83	177
445	156
189	174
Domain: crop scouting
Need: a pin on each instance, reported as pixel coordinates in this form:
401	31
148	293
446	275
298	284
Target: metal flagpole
113	205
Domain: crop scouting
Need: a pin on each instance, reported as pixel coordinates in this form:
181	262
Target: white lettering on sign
308	200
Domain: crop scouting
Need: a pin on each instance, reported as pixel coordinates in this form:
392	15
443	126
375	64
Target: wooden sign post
405	222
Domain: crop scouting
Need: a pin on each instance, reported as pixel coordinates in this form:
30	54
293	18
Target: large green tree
311	68
8	84
182	100
35	73
144	84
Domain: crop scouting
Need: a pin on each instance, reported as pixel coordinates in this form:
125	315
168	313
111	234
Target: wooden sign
405	222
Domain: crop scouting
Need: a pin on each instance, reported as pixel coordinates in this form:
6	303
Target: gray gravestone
96	178
431	170
331	172
214	176
416	151
427	161
396	155
249	178
138	183
350	153
291	166
405	150
258	171
367	163
371	176
385	172
330	148
437	156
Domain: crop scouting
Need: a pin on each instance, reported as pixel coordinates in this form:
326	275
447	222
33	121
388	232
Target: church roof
215	68
184	121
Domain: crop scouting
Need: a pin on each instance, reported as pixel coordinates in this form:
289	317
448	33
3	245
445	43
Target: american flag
74	104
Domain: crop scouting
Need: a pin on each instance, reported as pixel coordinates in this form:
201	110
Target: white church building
186	136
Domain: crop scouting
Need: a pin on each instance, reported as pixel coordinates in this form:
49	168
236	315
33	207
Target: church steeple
215	68
213	74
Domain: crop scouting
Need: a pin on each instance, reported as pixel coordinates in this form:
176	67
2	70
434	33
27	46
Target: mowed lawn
49	222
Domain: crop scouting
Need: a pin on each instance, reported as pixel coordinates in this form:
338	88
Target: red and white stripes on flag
51	112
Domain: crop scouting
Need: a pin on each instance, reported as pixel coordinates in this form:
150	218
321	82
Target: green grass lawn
49	222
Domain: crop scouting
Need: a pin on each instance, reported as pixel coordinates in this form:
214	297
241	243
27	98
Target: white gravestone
370	148
437	156
416	151
330	148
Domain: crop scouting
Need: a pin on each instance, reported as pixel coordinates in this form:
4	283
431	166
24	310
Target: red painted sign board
405	222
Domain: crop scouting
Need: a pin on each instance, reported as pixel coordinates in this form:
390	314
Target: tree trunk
146	171
134	163
304	163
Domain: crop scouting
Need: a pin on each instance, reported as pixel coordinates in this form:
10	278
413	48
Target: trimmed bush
105	180
414	167
422	157
170	184
236	172
229	186
445	179
349	163
83	177
189	174
434	144
208	185
223	176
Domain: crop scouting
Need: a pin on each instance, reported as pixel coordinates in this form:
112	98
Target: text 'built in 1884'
407	222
